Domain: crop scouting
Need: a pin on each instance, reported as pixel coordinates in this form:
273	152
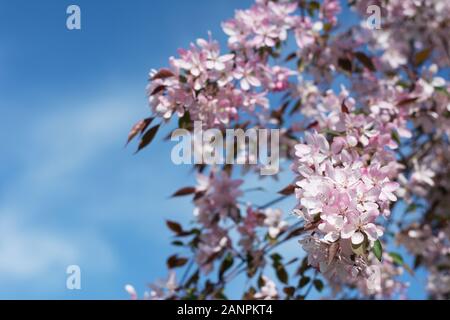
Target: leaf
304	266
193	279
378	250
421	56
395	136
418	260
158	89
296	107
174	226
406	101
412	208
290	189
290	56
163	74
365	60
175	262
398	259
345	64
261	282
250	294
303	281
185	121
276	257
360	249
148	137
177	243
227	263
184	192
313	6
139	127
344	107
289	291
318	284
282	274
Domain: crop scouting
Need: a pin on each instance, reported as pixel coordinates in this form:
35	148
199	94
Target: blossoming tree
364	120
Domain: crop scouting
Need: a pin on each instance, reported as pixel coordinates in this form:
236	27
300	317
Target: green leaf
395	136
398	259
227	263
378	250
177	243
412	208
360	249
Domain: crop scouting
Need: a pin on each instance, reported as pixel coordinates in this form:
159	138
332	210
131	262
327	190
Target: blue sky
69	192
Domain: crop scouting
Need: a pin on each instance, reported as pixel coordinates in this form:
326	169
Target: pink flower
358	225
268	290
246	75
275	222
315	151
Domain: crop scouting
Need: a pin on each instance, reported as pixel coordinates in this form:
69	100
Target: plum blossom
356	152
160	290
274	220
268	290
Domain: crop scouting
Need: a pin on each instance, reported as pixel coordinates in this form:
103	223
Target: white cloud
29	254
60	143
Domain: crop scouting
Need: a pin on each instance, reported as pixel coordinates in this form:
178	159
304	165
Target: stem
271	203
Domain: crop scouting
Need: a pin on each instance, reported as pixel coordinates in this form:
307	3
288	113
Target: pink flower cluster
264	25
215	87
389	139
216	201
215	206
345	185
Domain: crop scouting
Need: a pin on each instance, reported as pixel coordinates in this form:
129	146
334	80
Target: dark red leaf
157	90
163	74
345	64
290	189
344	107
406	101
174	226
175	262
184	192
421	56
365	60
148	137
139	127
